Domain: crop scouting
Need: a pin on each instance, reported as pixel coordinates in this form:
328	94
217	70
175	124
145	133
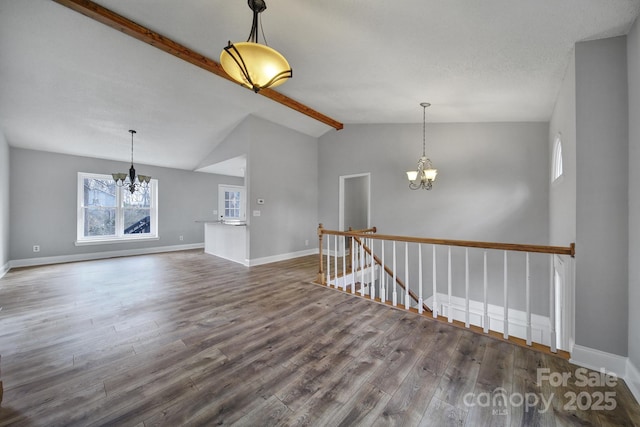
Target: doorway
355	203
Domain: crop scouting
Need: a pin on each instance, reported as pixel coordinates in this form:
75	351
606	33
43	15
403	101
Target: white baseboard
30	262
280	257
244	262
612	363
596	359
4	269
632	378
540	331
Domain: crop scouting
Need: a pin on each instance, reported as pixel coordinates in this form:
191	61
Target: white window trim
81	240
243	202
557	164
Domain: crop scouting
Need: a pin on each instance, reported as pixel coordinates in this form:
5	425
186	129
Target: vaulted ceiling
72	85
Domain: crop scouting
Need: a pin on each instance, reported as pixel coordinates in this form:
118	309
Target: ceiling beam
137	31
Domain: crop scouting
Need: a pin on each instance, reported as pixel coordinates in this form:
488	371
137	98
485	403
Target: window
556	162
231	203
108	213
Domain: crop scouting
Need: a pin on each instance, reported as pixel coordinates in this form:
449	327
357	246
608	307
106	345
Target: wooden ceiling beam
137	31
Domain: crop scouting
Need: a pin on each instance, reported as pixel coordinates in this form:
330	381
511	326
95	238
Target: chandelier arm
262	30
253	35
282	75
240	63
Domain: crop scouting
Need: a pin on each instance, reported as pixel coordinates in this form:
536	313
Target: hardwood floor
185	338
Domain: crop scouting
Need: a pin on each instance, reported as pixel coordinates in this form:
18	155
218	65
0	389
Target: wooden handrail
559	250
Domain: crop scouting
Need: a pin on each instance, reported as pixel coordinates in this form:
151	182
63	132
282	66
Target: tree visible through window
556	164
109	212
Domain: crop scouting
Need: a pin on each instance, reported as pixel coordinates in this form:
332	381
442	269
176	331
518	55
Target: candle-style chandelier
131	181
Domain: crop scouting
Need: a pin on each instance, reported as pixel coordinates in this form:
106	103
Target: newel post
320	271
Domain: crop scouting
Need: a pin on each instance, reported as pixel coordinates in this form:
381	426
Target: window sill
557	181
110	241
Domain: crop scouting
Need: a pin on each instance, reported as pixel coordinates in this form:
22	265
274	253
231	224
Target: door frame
341	202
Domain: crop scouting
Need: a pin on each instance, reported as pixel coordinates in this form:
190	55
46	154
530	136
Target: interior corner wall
602	195
282	169
43	211
562	192
4	204
633	64
235	144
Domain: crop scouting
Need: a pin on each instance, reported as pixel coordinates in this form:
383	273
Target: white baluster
434	311
420	310
506	299
383	276
449	285
373	271
328	261
406	276
466	287
552	304
335	261
486	296
528	298
362	266
395	293
352	250
344	263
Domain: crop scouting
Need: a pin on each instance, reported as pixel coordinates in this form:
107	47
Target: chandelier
426	174
129	180
254	65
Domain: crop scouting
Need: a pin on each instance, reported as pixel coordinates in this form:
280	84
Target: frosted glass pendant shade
430	174
254	65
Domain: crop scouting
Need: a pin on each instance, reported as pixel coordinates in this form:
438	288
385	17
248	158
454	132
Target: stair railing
365	267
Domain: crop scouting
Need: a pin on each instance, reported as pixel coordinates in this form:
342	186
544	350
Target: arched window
556	162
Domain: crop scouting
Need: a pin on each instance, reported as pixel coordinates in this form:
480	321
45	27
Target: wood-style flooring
185	338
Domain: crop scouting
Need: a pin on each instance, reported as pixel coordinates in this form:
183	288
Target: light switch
256	213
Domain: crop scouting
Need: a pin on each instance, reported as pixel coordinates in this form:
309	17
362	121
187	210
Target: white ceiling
69	84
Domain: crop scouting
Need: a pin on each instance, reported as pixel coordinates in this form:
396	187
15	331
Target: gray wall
602	283
234	145
43	209
492	179
633	63
562	194
492	185
4	203
282	170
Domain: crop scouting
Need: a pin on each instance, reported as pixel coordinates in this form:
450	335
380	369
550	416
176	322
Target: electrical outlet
181	238
256	213
36	248
306	242
215	212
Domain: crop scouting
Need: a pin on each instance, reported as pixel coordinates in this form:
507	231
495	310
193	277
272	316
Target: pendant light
425	175
254	65
130	180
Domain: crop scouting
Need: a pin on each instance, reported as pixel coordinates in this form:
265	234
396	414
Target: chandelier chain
424	129
132	132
